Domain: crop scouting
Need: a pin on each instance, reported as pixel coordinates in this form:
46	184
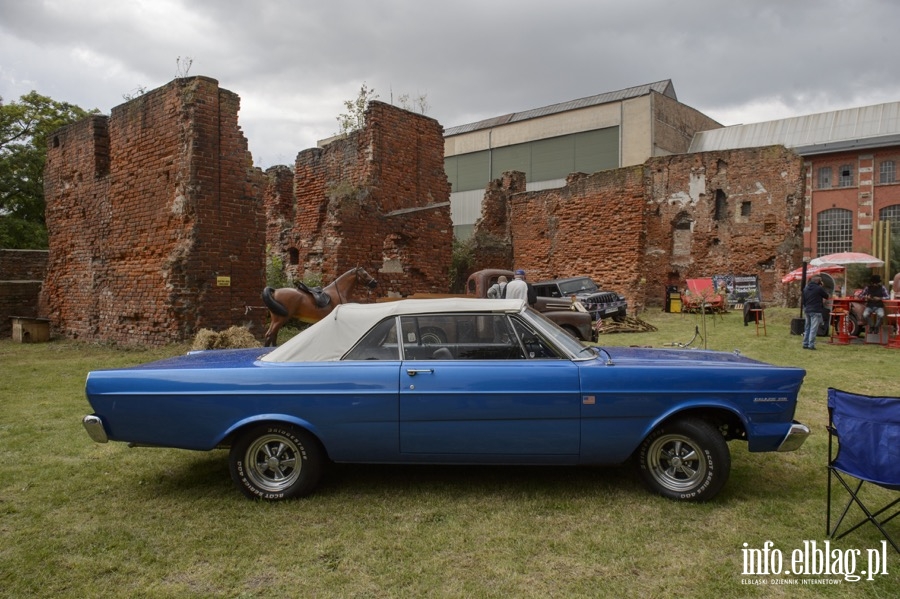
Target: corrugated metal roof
664	87
829	131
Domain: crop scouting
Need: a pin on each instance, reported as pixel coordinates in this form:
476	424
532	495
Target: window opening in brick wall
721	205
846	176
293	256
891	214
681	235
834	231
887	172
824	178
745	208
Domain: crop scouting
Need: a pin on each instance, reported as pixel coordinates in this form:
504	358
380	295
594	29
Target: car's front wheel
685	459
276	461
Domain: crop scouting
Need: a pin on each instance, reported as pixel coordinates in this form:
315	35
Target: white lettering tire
276	461
686	460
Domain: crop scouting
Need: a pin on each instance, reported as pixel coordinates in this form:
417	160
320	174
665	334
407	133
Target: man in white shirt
519	289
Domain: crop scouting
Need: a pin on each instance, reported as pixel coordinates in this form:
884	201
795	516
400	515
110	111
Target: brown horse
309	305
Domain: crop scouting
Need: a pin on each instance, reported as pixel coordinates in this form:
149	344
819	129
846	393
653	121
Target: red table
892	322
840	320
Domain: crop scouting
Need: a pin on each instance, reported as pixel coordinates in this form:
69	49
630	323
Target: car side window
459	337
380	343
535	346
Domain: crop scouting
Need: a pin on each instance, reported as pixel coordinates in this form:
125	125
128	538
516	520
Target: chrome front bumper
94	427
795	437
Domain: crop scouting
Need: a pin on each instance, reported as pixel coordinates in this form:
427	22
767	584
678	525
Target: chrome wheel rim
676	462
273	462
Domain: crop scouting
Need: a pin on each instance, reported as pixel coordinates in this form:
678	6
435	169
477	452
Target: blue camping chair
867	430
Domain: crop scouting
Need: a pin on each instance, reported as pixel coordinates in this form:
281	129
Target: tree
418	104
25	128
355	117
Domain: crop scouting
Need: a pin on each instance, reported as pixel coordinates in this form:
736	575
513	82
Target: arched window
887	172
892	214
824	179
834	231
845	176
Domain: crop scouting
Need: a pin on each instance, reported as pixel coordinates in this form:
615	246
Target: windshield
560	338
577	286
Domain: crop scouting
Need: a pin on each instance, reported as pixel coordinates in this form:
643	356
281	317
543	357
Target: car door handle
415	371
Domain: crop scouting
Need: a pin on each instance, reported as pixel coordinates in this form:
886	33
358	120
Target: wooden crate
30	330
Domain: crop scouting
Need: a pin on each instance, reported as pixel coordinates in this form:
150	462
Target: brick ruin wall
637	230
378	198
159	223
21	276
732	212
155	220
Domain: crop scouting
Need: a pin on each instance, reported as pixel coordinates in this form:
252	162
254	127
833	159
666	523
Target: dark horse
287	302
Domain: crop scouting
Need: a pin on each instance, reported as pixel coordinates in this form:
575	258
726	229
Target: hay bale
232	338
205	339
235	337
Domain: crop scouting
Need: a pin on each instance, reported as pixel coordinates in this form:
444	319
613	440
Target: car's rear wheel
685	459
276	461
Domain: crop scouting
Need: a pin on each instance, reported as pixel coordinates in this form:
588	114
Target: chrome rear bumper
94	427
795	437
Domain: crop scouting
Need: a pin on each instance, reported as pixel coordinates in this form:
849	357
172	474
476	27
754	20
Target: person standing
518	288
497	290
814	296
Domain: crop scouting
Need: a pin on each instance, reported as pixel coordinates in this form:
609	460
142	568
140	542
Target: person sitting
875	293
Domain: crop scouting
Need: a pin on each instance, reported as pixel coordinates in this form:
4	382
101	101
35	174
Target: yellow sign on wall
223	281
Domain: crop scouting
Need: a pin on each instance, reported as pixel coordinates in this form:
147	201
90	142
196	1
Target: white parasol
846	259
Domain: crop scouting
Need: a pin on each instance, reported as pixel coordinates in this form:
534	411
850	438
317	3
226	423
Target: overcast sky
294	62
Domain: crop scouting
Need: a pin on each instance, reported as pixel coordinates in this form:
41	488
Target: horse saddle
321	298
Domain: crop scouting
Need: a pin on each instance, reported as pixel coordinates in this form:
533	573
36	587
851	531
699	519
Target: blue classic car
451	381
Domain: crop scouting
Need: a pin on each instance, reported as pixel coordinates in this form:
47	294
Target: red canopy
797	273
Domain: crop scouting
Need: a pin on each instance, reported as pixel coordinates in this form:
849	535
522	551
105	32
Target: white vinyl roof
334	335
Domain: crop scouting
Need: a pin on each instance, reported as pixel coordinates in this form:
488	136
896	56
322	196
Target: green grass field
79	519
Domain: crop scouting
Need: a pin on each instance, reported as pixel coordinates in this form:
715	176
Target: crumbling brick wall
21	275
155	220
730	212
378	198
637	230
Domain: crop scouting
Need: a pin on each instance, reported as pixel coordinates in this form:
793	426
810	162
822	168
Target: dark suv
601	304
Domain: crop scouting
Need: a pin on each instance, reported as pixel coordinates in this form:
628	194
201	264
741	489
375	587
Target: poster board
737	289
